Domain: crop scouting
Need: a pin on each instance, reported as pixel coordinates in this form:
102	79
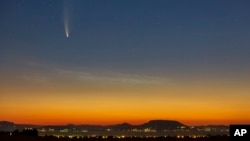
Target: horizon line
98	124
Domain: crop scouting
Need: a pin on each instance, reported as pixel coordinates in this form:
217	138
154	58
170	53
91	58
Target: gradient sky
125	61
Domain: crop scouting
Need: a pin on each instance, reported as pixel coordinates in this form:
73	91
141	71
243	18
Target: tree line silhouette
32	135
24	132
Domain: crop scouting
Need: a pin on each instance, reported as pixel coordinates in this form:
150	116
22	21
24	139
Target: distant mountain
7	126
163	124
11	126
152	124
123	126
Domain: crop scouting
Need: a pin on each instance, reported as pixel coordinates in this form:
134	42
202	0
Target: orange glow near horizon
103	102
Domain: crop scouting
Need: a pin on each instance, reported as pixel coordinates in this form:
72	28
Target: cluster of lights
197	136
191	136
180	136
123	136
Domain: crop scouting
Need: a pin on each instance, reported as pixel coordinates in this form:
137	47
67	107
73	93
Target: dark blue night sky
128	34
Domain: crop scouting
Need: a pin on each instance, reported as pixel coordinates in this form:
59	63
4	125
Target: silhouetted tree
30	132
5	133
16	133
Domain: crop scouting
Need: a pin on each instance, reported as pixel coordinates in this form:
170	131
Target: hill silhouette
163	124
152	124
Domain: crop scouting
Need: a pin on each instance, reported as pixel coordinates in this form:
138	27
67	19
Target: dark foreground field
51	138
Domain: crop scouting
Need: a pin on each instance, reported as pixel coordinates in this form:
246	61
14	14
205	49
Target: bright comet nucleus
66	32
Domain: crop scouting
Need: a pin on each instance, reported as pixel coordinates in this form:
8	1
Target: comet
66	28
66	18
